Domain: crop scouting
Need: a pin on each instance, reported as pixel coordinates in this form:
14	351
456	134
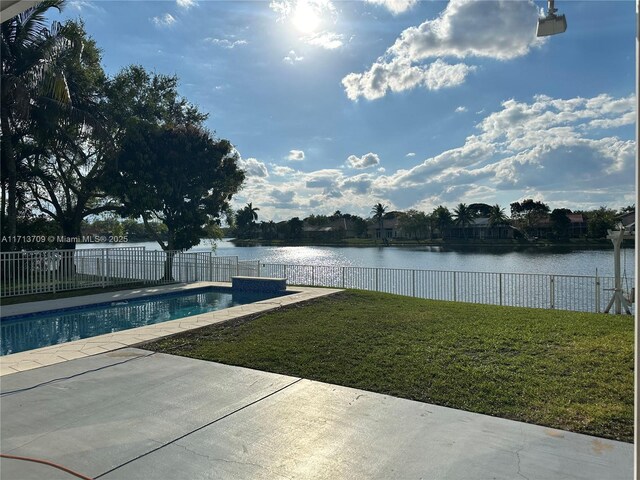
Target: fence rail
561	292
51	271
23	273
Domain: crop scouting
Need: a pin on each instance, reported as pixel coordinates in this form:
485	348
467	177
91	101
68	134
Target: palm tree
441	216
378	211
463	216
251	212
32	77
497	215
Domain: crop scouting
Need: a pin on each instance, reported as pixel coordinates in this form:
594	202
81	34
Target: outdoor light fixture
552	23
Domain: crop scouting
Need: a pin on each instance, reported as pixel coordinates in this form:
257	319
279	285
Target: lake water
559	261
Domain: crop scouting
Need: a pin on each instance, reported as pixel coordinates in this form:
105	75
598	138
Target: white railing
562	292
23	273
50	271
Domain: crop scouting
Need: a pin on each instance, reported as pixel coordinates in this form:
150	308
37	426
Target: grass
567	370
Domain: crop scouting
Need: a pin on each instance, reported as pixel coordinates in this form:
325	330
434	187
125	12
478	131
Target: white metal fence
23	273
562	292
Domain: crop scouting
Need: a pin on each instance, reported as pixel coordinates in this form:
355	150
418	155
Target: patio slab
134	414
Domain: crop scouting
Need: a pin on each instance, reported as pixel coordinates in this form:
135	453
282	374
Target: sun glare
306	17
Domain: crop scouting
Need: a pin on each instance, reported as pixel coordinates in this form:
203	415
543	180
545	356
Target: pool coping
40	357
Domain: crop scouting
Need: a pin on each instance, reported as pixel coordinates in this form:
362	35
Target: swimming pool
20	333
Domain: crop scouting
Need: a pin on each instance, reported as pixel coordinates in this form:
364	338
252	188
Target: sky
339	105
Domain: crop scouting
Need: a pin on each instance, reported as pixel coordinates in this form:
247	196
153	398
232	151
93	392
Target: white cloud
165	20
366	161
410	154
281	171
292	58
395	6
326	40
85	5
500	29
254	168
497	29
224	43
398	75
461	109
546	146
570	152
295	155
186	4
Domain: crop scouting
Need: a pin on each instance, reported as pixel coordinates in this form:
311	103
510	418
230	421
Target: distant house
578	227
628	220
390	229
336	229
479	229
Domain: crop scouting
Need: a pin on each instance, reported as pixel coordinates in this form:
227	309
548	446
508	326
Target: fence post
313	275
455	293
597	292
500	289
552	293
107	266
342	277
104	270
413	282
377	271
195	266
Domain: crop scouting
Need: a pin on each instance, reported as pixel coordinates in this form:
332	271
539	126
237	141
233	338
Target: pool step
259	284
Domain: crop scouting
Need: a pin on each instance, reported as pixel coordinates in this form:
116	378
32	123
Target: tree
178	175
599	221
463	216
245	221
480	209
416	224
497	215
294	228
32	79
378	212
528	214
66	164
560	223
269	230
442	218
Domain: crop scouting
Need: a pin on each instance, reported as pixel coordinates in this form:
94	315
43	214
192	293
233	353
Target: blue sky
343	104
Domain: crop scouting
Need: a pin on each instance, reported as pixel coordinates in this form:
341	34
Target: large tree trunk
168	266
12	180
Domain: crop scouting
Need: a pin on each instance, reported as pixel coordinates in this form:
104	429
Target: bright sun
305	17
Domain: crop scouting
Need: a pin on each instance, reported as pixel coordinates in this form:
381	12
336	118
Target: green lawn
567	370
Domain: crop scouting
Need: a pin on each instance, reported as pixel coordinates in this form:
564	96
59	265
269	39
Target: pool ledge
40	357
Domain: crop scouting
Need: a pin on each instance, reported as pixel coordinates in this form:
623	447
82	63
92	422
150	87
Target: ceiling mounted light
552	23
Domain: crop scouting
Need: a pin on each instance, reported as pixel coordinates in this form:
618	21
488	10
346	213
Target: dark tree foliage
528	213
560	223
32	79
599	221
480	209
178	175
294	228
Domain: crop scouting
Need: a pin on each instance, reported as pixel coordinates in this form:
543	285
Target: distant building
390	229
578	227
628	221
479	229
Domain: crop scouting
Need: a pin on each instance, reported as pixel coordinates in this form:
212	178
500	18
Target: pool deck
40	357
134	414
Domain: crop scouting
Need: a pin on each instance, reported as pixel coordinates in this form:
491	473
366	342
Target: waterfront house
479	229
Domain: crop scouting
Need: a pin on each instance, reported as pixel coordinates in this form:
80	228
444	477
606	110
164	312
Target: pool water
26	332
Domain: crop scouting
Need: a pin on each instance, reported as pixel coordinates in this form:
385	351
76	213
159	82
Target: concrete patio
135	414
